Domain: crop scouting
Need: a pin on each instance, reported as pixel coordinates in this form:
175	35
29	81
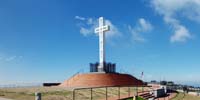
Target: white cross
101	30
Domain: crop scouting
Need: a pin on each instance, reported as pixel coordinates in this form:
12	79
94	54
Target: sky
51	40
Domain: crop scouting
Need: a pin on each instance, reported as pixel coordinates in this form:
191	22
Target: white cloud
136	36
20	57
85	31
89	24
145	25
90	21
171	10
79	18
142	26
181	35
11	58
113	30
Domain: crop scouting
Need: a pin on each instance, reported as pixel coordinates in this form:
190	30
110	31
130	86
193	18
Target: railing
120	93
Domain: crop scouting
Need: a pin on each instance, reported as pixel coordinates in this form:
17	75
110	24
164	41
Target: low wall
194	93
101	80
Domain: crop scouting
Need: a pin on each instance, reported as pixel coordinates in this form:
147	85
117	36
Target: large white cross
101	30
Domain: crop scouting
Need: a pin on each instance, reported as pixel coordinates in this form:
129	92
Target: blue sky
50	40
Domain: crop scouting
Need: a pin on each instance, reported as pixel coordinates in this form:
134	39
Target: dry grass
57	93
182	96
49	93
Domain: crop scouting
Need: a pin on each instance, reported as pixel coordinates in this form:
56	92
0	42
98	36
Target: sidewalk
126	96
167	97
123	96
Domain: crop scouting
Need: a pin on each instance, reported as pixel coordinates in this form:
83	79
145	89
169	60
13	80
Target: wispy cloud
181	34
85	31
10	58
142	26
79	18
88	25
172	9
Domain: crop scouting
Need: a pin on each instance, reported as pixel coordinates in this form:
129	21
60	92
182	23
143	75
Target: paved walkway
123	96
4	99
126	96
167	97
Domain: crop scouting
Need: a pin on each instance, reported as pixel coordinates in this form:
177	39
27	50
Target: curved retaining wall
101	80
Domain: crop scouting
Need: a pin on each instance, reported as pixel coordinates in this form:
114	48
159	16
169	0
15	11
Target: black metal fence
117	92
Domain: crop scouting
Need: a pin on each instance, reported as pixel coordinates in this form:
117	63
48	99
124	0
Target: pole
91	94
129	91
38	96
137	90
118	92
164	97
168	96
73	94
106	93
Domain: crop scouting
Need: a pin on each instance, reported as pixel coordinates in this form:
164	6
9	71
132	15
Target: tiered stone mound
101	80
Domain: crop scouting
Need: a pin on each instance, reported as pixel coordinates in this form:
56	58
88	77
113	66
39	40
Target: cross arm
102	29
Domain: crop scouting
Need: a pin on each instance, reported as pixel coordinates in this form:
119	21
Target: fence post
129	91
73	94
168	96
91	94
118	92
137	90
38	96
106	93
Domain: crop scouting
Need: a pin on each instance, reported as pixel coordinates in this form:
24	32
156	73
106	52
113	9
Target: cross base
108	67
100	69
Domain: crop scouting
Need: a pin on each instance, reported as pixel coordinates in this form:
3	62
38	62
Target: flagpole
142	80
